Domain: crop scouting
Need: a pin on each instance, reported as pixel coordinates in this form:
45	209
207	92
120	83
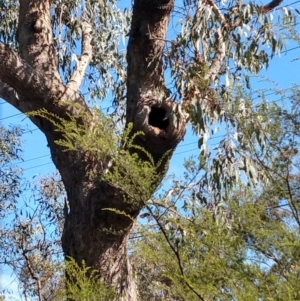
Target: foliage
10	174
84	284
104	141
196	245
238	251
30	238
31	229
243	247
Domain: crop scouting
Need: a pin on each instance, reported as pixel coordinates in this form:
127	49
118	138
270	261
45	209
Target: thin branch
85	58
167	208
33	276
220	54
262	9
176	253
221	51
216	11
218	58
291	201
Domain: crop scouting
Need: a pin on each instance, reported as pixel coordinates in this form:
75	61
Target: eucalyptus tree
59	58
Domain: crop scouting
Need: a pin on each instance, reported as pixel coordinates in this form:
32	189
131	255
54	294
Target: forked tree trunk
91	233
99	236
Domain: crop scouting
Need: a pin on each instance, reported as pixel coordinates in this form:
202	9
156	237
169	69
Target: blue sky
283	70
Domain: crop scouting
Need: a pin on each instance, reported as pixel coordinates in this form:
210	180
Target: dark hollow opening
157	118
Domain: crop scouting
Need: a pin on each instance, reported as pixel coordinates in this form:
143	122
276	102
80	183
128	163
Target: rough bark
30	81
146	91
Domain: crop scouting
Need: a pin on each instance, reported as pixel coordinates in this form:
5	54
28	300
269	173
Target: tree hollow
158	118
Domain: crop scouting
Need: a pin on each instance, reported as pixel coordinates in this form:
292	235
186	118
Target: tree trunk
31	81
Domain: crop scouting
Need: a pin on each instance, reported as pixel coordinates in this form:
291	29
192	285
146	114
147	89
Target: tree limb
85	58
270	6
220	54
146	89
33	275
144	53
27	82
9	94
36	90
35	36
218	58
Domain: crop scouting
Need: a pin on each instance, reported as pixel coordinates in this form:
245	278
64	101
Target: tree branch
27	82
144	53
85	58
35	36
270	6
220	54
9	94
239	21
218	58
176	253
33	276
146	88
34	88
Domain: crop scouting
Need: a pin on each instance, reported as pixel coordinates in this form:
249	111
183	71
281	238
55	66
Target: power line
14	115
35	166
176	153
186	151
30	131
11	116
272	93
32	159
284	51
181	145
289	4
32	167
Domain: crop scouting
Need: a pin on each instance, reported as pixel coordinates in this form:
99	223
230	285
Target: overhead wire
32	159
32	167
298	1
19	114
11	116
48	163
176	153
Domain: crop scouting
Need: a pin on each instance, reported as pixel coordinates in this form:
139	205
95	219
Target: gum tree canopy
59	58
